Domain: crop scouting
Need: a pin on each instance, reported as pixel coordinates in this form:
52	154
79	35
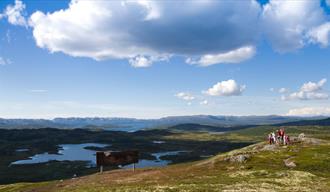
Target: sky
151	59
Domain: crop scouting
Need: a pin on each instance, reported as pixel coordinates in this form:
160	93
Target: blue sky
134	59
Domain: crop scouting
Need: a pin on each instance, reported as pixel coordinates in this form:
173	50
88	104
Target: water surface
68	152
78	152
155	163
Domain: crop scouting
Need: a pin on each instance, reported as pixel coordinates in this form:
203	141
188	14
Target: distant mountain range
320	122
109	123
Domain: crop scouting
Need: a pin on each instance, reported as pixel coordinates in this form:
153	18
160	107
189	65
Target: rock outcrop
289	163
241	158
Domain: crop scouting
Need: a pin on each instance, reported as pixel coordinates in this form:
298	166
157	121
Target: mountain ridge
212	120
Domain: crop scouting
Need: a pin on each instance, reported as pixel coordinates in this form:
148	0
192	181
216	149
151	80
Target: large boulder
301	136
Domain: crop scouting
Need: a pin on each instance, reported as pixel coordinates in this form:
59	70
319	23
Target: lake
68	152
155	163
77	152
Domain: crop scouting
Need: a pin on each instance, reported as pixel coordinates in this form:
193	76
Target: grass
265	171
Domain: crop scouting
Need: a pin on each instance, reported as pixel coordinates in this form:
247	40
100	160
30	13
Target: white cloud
226	88
320	34
140	61
306	96
4	61
204	32
143	61
233	56
272	89
309	91
309	111
139	30
286	23
204	102
283	90
312	87
13	13
185	96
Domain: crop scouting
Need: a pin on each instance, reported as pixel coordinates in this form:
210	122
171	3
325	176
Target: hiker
282	134
287	141
270	140
273	137
278	137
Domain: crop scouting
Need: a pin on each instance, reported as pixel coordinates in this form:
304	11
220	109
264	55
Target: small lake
125	129
68	152
77	152
22	150
155	163
129	127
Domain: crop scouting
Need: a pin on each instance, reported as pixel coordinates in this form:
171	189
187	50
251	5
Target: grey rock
289	163
238	158
301	136
269	148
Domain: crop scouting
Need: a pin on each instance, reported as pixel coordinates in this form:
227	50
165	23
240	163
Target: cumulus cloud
138	30
286	23
312	87
306	96
143	61
14	14
309	111
226	88
203	32
320	34
309	91
233	56
185	96
140	61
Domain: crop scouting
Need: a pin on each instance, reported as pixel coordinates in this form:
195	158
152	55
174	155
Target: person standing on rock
270	138
287	140
282	134
278	137
273	137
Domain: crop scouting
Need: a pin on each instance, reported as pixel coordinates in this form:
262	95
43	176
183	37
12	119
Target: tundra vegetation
241	161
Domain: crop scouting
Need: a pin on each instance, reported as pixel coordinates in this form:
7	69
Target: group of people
278	137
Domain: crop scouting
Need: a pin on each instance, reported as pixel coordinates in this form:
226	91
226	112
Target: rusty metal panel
116	158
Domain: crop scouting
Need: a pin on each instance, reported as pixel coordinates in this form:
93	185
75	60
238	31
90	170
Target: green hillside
258	167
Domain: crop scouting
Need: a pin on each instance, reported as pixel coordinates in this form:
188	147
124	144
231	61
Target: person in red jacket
282	133
278	136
